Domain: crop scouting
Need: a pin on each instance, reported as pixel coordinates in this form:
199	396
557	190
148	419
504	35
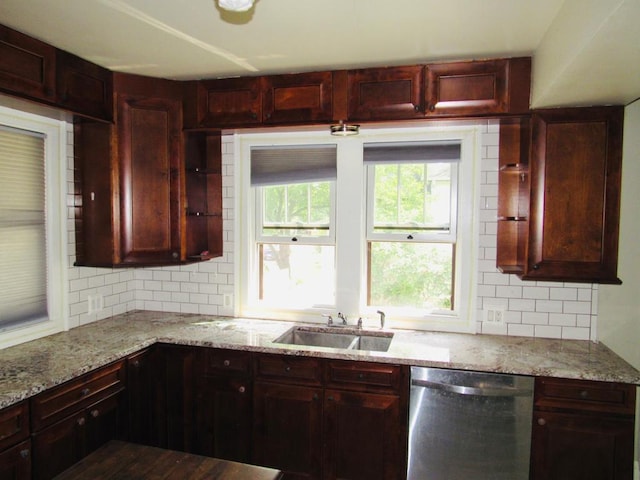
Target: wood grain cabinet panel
15	446
232	102
582	430
386	93
84	87
27	66
576	162
15	462
486	87
297	98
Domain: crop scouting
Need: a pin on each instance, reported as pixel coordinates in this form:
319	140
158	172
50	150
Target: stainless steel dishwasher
469	425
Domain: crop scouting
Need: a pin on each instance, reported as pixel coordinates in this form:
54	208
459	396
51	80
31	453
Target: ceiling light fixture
236	5
344	129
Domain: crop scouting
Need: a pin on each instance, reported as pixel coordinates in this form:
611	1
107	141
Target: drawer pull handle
85	392
226	363
24	453
542	422
242	389
95	413
81	421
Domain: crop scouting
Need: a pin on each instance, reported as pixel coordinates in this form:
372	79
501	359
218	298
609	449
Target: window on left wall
33	235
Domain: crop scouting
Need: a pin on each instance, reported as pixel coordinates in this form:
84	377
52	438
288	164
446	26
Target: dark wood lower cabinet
62	444
581	447
145	388
364	436
287	429
15	462
582	430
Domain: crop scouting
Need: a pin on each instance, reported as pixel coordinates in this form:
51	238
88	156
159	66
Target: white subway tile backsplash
545	309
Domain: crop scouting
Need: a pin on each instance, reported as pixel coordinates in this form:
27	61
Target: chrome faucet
382	317
329	319
343	318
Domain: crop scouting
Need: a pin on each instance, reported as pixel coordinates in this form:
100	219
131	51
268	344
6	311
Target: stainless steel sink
337	337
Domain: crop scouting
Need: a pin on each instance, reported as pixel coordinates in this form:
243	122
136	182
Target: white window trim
55	132
347	300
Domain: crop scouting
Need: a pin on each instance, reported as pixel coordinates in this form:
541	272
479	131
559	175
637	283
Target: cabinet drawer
364	376
584	395
15	462
63	400
217	362
283	368
14	424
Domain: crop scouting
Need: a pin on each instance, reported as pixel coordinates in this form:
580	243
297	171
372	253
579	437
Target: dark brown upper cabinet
478	88
84	87
559	206
576	164
131	178
385	93
230	102
300	98
27	66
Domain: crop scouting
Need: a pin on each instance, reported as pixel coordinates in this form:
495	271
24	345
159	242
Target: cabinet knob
416	108
287	368
81	421
536	266
85	392
316	397
242	389
95	413
432	107
174	255
542	422
226	363
136	364
584	394
25	453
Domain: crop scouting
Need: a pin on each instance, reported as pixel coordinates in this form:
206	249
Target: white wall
619	305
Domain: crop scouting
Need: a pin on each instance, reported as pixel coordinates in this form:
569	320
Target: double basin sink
337	337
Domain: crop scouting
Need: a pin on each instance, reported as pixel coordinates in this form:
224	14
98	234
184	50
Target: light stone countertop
30	368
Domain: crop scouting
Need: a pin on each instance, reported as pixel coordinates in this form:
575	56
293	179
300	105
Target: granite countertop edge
30	368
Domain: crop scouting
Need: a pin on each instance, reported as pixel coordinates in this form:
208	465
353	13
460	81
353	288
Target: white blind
271	165
22	227
411	152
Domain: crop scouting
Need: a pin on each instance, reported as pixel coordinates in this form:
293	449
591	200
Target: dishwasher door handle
477	391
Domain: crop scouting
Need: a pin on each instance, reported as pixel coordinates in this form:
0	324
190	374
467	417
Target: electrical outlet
95	303
227	300
494	315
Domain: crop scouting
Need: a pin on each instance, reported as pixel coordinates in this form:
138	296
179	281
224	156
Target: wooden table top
120	460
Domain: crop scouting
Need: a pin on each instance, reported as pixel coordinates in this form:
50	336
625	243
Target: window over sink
381	221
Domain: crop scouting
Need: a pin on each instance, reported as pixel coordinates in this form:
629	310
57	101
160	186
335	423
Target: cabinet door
145	383
27	66
581	447
179	374
105	421
467	88
15	462
386	93
58	447
223	418
364	436
575	179
287	429
150	149
84	87
299	98
232	102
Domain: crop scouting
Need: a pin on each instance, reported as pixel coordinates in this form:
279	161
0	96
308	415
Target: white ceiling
585	51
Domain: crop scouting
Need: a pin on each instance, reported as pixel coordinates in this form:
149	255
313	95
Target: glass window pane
417	275
296	210
297	275
412	197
